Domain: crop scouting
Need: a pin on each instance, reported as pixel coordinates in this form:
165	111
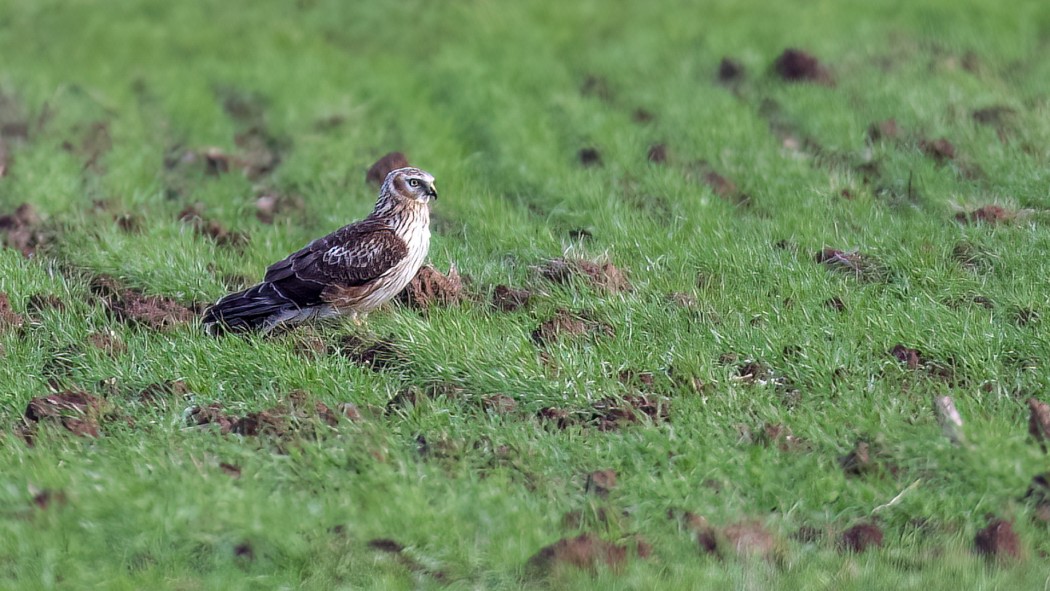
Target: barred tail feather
257	308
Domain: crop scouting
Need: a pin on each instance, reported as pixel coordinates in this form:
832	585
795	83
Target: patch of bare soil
589	157
862	266
600	274
41	302
9	319
77	412
271	204
835	304
884	130
21	230
509	299
133	307
295	415
658	153
641	115
730	71
1039	422
389	162
600	482
389	546
867	459
915	360
972	256
723	188
939	149
780	436
107	341
377	355
745	539
988	214
998	541
860	538
795	65
500	404
566	324
614	413
432	288
586	551
1038	495
193	215
609	414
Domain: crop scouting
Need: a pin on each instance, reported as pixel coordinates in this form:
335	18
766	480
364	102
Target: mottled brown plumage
349	272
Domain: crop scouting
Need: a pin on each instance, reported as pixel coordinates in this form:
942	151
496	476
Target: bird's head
409	185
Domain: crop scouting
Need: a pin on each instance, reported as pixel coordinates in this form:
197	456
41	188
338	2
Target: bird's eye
413	182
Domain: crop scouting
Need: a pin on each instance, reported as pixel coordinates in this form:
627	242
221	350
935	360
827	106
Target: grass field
810	256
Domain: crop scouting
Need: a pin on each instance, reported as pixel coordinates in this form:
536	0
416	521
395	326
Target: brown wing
349	257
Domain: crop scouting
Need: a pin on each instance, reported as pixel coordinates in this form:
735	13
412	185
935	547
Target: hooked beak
432	192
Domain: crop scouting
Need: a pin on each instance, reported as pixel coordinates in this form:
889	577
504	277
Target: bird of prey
349	272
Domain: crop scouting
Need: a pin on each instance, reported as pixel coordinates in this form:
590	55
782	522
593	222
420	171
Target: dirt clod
658	153
432	288
589	157
939	149
107	341
509	299
77	412
884	130
377	172
795	65
641	115
721	186
376	355
586	551
988	214
600	482
211	229
9	319
500	404
1039	422
861	537
862	266
231	470
858	462
21	230
133	307
601	274
293	415
998	541
269	205
835	304
730	70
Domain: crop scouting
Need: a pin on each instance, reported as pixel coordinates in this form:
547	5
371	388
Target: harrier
349	272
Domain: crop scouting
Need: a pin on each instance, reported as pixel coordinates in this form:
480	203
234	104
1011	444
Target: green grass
487	96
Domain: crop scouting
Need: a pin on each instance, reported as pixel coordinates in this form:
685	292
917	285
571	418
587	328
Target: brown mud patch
998	541
585	551
295	415
611	413
566	324
77	412
860	538
730	71
133	307
724	188
398	550
862	266
211	229
21	230
795	65
375	354
509	299
988	214
589	157
430	288
9	319
600	274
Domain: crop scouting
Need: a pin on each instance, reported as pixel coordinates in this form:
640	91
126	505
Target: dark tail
256	308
